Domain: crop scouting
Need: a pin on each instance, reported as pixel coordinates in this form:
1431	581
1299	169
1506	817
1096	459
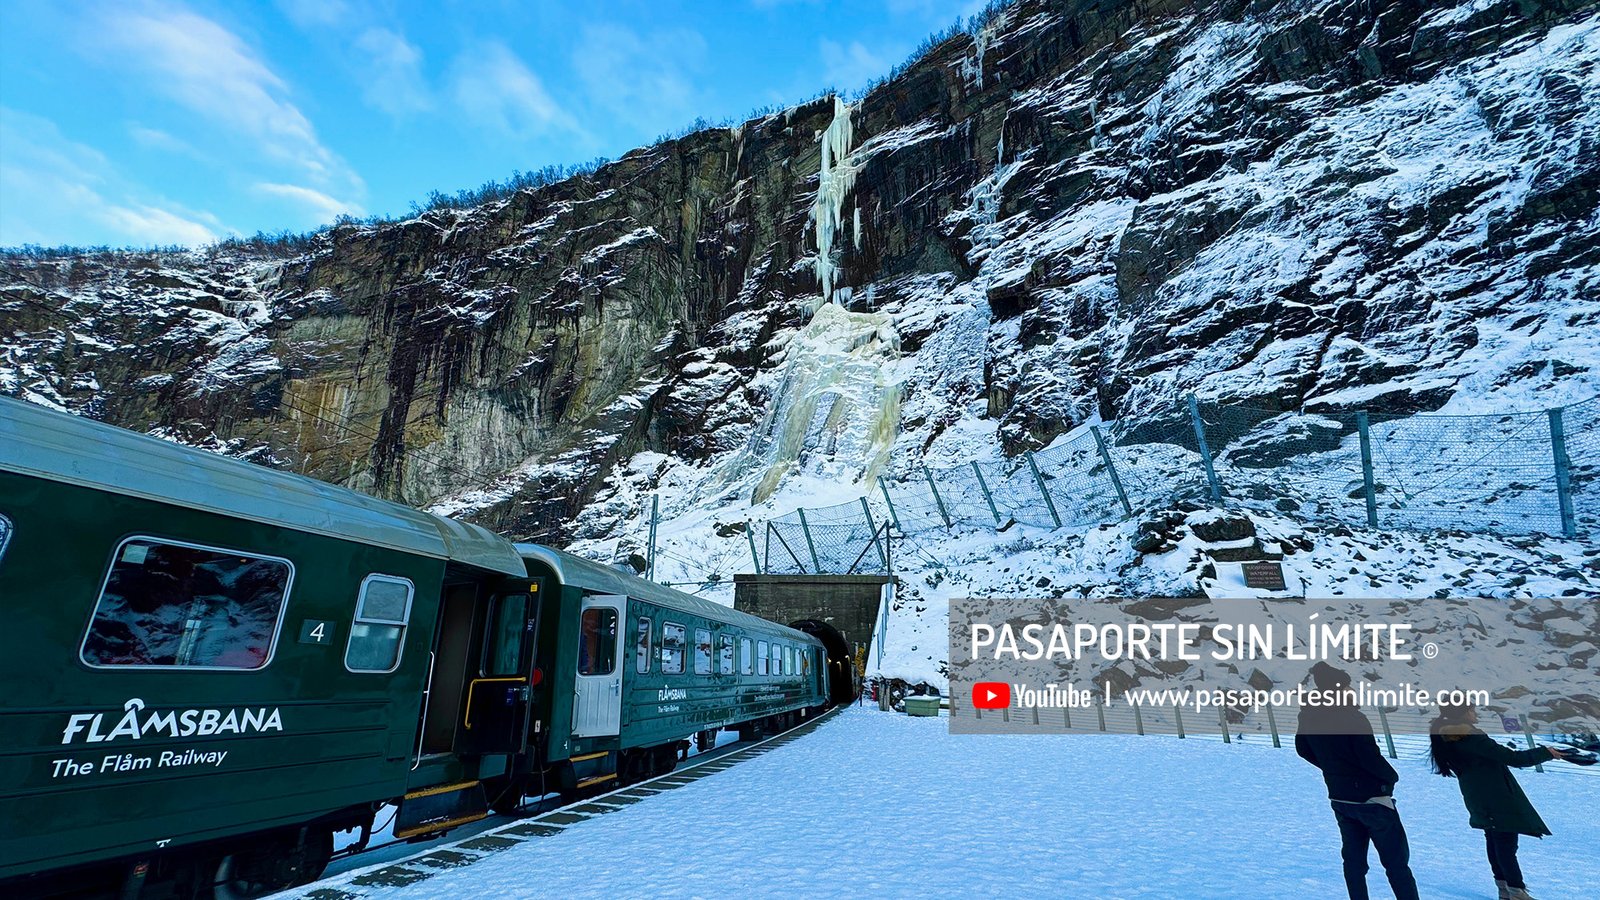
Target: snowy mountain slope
1079	213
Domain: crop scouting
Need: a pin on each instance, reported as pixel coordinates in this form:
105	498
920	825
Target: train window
378	632
508	621
725	654
746	664
672	648
788	661
641	646
597	642
172	605
761	657
5	535
702	651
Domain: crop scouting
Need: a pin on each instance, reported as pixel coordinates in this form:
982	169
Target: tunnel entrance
842	683
842	611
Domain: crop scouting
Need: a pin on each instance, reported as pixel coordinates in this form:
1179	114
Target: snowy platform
882	804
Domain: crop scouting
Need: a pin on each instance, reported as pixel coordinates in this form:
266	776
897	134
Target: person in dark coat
1495	802
1336	737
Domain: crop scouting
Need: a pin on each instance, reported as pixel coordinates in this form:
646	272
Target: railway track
360	884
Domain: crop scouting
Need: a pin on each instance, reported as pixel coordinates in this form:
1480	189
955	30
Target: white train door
597	707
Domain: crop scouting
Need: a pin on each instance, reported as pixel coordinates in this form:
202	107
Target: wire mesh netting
1522	472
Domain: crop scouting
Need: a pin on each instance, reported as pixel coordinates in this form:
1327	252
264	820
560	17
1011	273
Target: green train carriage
211	667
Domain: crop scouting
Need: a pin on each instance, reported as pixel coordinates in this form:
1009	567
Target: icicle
834	182
858	227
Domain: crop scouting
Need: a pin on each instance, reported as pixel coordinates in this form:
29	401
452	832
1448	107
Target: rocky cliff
1084	208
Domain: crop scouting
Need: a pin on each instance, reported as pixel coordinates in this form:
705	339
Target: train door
597	706
495	717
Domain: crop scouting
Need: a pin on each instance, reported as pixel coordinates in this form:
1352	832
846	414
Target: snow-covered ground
881	804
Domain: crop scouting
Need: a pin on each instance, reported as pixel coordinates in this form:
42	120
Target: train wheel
271	866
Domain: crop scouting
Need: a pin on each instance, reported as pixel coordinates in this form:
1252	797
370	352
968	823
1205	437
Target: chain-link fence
1401	733
1524	472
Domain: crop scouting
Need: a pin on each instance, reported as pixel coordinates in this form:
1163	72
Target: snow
882	804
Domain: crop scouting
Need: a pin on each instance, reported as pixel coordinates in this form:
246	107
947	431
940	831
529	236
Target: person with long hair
1495	802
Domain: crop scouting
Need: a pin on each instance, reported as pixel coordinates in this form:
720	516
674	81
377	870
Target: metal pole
867	511
1272	723
1366	469
1039	480
1101	709
893	516
987	497
1388	736
1223	721
650	560
797	563
1177	711
1205	449
1111	469
766	544
754	557
937	500
1527	734
810	545
1138	720
1558	447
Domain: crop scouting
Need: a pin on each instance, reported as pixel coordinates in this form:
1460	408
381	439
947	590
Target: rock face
1084	208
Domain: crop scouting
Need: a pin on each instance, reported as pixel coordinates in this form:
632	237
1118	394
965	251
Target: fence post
1366	468
1101	709
893	516
938	500
987	497
1045	492
1138	720
754	557
650	559
1558	447
1223	721
1388	736
1205	449
1116	481
810	544
1177	712
1527	734
1272	724
867	511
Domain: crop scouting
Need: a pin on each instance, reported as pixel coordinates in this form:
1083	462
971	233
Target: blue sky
137	123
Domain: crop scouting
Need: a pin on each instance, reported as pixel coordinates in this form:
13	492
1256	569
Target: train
211	668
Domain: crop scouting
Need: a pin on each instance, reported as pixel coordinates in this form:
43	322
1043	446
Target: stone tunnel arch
842	687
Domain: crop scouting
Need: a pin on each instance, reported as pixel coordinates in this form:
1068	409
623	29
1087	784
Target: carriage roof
70	449
600	578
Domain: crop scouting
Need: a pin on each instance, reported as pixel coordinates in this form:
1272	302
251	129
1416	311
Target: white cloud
55	190
210	71
392	72
850	67
156	139
642	80
494	88
323	208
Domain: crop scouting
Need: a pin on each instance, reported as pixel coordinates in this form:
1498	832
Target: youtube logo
991	695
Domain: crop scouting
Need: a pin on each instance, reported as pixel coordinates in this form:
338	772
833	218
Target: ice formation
834	182
837	397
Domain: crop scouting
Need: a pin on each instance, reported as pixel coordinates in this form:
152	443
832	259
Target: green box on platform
922	706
